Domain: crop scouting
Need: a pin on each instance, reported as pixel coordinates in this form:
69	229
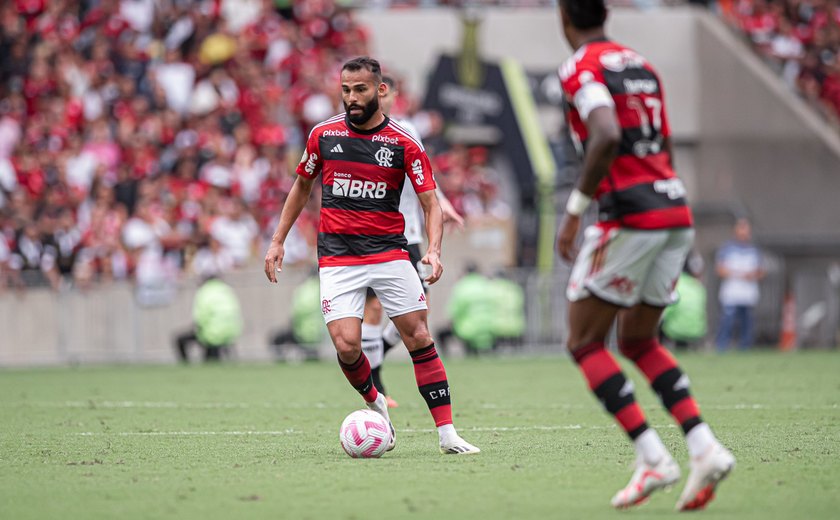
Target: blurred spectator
740	267
307	328
217	320
237	231
212	259
471	312
508	300
109	109
802	37
145	121
684	322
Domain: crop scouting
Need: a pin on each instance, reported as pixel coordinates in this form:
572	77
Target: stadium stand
138	135
801	39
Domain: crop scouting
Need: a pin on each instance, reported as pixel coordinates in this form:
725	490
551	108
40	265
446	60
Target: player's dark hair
366	63
585	14
389	80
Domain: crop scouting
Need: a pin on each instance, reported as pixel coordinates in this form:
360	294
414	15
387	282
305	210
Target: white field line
292	431
302	406
196	433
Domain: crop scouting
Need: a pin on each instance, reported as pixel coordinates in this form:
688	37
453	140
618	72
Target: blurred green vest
685	320
509	307
307	317
472	310
216	314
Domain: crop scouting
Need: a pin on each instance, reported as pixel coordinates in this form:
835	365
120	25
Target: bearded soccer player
376	342
363	159
630	260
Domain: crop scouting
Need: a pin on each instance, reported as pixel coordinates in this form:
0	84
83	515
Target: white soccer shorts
343	289
627	266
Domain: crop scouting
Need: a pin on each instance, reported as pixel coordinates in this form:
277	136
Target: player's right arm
308	170
602	146
596	107
298	196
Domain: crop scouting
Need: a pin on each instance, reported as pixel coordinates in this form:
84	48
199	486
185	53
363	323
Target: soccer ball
365	433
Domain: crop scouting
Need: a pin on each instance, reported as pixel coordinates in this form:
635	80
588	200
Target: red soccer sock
432	383
358	374
609	384
666	378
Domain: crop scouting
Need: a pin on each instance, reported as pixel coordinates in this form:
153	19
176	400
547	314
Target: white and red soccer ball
365	434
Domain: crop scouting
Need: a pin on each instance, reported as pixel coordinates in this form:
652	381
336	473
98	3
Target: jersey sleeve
584	87
418	168
311	162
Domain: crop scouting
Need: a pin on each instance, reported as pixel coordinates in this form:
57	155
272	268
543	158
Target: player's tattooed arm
298	196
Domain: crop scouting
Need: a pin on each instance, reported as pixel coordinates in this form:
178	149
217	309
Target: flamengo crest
384	156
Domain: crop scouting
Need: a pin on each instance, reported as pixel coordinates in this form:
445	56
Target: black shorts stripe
334	244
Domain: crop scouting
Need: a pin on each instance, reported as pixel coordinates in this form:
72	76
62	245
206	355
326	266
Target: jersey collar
371	131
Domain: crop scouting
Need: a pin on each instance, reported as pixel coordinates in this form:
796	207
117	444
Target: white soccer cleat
707	471
645	480
380	406
455	445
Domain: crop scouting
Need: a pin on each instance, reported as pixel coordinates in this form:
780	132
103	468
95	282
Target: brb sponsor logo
417	169
326	306
345	186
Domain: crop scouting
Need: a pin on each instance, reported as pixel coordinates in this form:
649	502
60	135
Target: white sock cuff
649	447
698	440
446	430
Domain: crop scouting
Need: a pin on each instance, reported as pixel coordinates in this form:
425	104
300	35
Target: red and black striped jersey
641	190
362	173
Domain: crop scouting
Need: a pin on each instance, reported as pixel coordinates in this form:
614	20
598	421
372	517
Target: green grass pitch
261	441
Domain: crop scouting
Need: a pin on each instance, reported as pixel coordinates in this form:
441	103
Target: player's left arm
434	230
418	168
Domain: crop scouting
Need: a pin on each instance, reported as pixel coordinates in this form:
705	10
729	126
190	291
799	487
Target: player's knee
634	348
347	349
419	337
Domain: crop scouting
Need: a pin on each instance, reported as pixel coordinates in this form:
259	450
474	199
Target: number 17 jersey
641	190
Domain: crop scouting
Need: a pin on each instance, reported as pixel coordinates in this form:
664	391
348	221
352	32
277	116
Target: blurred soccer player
630	260
364	158
413	215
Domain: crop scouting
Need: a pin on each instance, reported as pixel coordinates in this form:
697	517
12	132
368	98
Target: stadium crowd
149	138
802	37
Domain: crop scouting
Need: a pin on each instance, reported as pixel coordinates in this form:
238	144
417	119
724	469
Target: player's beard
367	111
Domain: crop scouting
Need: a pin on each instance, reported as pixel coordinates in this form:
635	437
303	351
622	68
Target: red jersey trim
378	258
